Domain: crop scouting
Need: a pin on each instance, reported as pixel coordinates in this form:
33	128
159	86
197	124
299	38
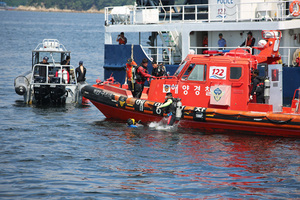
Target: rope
295	56
131	52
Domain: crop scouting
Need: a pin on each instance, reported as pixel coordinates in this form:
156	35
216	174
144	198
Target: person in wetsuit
259	92
170	107
158	70
132	124
80	72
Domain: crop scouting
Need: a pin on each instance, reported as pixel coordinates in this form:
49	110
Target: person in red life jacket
249	42
141	76
205	42
80	72
170	107
121	38
257	89
130	66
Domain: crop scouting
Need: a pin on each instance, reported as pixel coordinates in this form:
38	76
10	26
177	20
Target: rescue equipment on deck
295	8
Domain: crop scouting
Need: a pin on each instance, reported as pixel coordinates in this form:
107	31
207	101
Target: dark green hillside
74	4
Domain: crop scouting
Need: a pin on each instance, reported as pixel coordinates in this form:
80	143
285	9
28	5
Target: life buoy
295	12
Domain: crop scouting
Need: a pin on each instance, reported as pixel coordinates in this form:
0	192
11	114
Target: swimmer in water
131	123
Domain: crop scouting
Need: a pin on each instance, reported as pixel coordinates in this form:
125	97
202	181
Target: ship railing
288	54
43	74
229	12
165	55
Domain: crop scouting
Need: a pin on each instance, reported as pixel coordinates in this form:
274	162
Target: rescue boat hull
116	106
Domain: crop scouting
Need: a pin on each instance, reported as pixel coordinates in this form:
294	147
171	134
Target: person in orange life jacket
256	80
121	38
80	72
129	76
141	77
170	108
249	42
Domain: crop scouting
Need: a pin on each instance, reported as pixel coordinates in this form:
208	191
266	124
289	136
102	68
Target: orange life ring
295	12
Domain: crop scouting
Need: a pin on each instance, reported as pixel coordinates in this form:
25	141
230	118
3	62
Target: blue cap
80	62
46	58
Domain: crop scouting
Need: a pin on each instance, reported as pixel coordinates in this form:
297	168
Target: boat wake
162	126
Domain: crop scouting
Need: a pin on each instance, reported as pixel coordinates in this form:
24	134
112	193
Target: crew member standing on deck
249	42
121	38
257	89
80	72
130	67
141	77
221	42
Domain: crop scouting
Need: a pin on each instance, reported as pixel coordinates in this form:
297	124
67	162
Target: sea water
73	152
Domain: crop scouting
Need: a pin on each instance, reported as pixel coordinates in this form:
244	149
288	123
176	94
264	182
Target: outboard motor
41	92
178	109
57	92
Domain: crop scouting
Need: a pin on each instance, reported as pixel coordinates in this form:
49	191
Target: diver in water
131	123
170	107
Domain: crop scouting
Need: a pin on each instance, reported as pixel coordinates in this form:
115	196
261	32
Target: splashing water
162	125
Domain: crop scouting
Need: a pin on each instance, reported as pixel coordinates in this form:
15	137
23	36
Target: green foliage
75	4
15	3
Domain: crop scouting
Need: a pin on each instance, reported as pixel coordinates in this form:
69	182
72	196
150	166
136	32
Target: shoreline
43	9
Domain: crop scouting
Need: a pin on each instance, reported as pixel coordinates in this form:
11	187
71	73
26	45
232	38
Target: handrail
238	12
285	52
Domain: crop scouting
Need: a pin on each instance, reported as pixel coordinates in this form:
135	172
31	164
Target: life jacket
122	41
138	75
249	41
205	42
130	70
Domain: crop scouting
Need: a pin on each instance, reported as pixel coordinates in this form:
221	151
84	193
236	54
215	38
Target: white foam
162	126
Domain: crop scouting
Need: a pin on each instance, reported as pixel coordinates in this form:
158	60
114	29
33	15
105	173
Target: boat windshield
56	57
180	68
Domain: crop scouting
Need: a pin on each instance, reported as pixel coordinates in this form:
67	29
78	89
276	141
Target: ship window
180	68
235	72
198	73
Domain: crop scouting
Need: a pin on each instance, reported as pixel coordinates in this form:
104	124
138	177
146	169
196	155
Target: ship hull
116	106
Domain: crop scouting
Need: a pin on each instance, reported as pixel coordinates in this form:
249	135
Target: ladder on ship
171	40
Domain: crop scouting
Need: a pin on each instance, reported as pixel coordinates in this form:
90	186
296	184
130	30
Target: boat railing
231	11
50	45
45	74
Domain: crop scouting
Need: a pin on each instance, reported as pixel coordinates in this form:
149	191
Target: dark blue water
74	153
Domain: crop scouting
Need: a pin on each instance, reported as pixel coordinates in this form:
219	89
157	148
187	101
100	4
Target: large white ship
178	30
